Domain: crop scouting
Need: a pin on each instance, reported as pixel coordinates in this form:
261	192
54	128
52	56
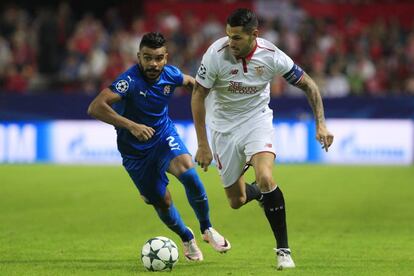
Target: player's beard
243	52
152	74
155	74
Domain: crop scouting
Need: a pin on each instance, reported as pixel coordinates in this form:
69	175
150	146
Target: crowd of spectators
53	50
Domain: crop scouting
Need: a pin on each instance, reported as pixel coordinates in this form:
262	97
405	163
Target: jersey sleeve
284	66
122	85
176	75
207	72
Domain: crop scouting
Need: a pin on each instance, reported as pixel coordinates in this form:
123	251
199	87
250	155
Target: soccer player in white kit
232	96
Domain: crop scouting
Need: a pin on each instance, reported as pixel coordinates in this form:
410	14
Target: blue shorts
148	171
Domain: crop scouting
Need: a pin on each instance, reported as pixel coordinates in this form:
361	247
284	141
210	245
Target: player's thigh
173	155
260	153
229	157
150	182
263	163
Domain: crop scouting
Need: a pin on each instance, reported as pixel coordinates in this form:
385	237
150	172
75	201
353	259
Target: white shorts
233	151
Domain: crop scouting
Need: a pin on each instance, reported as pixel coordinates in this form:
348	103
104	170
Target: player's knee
265	182
236	202
181	165
187	164
163	205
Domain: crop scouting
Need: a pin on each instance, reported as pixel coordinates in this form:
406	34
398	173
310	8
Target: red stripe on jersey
218	161
271	50
224	47
250	55
244	65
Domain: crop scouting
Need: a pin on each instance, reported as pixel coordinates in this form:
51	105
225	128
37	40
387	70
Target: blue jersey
144	103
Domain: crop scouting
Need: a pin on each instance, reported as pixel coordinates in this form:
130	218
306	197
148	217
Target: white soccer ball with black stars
159	253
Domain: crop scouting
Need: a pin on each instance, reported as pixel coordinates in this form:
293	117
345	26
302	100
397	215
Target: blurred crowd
53	50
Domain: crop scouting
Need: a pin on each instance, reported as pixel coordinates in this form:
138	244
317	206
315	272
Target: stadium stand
53	49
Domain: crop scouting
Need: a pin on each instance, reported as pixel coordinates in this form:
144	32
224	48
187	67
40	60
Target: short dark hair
152	40
244	18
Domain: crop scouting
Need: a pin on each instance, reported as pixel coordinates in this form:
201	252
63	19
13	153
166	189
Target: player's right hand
142	132
324	137
204	157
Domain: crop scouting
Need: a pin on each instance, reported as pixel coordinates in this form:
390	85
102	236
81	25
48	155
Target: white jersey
240	89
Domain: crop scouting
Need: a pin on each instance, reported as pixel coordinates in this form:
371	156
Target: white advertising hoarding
94	142
371	142
18	143
83	142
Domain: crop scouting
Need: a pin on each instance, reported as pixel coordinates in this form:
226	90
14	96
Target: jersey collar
249	56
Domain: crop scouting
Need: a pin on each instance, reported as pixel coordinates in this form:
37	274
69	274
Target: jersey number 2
173	146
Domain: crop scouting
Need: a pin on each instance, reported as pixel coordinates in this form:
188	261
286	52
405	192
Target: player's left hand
324	137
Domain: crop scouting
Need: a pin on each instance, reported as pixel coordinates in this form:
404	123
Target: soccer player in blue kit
137	105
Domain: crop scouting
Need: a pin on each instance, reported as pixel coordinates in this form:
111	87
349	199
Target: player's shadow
121	267
78	264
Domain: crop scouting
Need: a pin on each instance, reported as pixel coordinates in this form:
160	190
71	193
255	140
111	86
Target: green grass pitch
90	220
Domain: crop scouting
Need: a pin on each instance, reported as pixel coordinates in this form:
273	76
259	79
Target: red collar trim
250	54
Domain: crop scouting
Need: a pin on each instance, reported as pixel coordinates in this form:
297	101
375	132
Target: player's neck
250	53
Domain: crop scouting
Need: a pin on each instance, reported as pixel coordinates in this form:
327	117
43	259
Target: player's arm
188	82
311	90
100	108
203	156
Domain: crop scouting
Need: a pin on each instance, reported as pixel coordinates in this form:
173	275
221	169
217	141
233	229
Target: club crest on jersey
259	70
234	71
167	89
122	86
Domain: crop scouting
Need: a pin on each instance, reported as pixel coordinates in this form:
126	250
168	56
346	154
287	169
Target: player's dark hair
153	40
244	18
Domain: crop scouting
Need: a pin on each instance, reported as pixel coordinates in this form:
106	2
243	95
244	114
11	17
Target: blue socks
172	219
197	197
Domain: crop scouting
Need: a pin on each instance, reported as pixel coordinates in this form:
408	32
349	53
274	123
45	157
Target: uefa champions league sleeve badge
122	86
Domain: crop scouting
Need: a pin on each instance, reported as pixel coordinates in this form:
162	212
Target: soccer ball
159	253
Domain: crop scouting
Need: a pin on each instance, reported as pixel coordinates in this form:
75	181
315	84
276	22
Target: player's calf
253	192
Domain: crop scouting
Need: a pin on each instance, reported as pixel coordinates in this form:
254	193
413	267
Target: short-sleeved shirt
240	89
144	103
